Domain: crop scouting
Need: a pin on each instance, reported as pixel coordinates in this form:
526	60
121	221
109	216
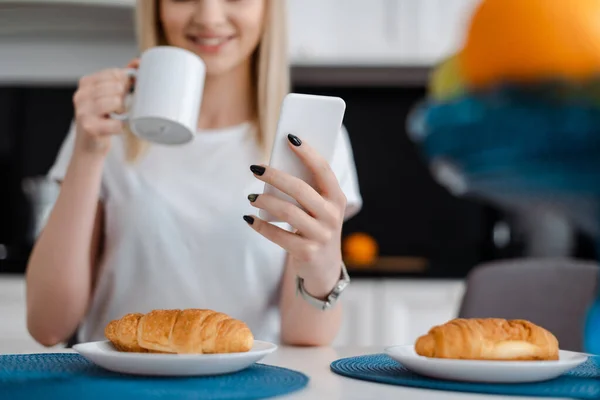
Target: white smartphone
316	120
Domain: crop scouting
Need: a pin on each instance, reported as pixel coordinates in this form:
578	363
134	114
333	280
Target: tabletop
324	384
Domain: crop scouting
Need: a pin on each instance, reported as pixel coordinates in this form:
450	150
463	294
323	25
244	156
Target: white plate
485	371
106	356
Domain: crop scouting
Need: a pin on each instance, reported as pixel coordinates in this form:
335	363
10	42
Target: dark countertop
387	268
14	267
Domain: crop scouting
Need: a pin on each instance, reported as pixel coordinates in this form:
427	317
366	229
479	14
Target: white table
323	383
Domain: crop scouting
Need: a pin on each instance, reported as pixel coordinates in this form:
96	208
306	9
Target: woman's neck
228	99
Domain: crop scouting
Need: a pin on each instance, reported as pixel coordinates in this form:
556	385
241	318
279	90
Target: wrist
86	157
91	147
320	286
88	163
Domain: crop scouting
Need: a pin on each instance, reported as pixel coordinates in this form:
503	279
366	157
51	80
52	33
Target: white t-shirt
174	233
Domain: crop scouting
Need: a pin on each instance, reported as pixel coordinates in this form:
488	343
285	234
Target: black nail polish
248	219
252	197
257	169
294	140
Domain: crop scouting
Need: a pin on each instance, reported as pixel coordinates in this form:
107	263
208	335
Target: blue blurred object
520	148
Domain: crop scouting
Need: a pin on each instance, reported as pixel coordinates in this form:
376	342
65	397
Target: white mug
167	94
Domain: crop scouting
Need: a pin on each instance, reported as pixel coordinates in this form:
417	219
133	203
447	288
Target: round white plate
104	355
485	371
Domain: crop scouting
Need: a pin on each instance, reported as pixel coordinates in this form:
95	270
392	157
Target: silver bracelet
331	298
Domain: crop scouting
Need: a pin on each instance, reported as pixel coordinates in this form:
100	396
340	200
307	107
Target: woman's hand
315	247
96	97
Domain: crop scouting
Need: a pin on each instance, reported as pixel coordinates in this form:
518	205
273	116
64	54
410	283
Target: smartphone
316	120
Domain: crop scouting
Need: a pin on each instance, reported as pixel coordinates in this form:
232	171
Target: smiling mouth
209	42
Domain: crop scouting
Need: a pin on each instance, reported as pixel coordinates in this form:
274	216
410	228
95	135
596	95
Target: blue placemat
70	376
582	382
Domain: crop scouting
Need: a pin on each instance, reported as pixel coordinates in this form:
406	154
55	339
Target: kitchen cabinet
377	312
14	337
378	32
359	324
339	31
58	41
383	312
432	29
410	308
108	3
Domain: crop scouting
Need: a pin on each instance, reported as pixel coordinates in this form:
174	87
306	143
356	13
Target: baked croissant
488	339
190	331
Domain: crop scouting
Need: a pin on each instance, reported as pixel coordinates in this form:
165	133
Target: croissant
488	339
189	331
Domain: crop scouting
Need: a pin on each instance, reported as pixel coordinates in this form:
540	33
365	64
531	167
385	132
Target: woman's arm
313	244
301	323
59	273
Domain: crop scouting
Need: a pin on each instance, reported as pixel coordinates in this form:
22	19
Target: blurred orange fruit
531	40
360	249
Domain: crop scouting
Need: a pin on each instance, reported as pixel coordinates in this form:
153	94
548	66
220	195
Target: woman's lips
209	44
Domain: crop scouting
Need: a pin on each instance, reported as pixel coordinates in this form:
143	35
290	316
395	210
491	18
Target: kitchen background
410	248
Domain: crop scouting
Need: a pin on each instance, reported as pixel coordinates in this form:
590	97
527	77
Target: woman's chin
218	67
214	70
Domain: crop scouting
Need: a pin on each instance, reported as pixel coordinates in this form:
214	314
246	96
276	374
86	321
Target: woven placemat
71	376
582	382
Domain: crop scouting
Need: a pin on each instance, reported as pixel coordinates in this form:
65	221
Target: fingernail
252	197
257	169
294	140
248	219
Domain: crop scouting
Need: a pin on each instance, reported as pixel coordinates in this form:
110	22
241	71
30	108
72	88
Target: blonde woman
139	227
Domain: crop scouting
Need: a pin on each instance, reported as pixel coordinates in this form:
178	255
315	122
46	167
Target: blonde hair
270	67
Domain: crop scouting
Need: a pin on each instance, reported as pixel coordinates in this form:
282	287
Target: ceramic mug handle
132	73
